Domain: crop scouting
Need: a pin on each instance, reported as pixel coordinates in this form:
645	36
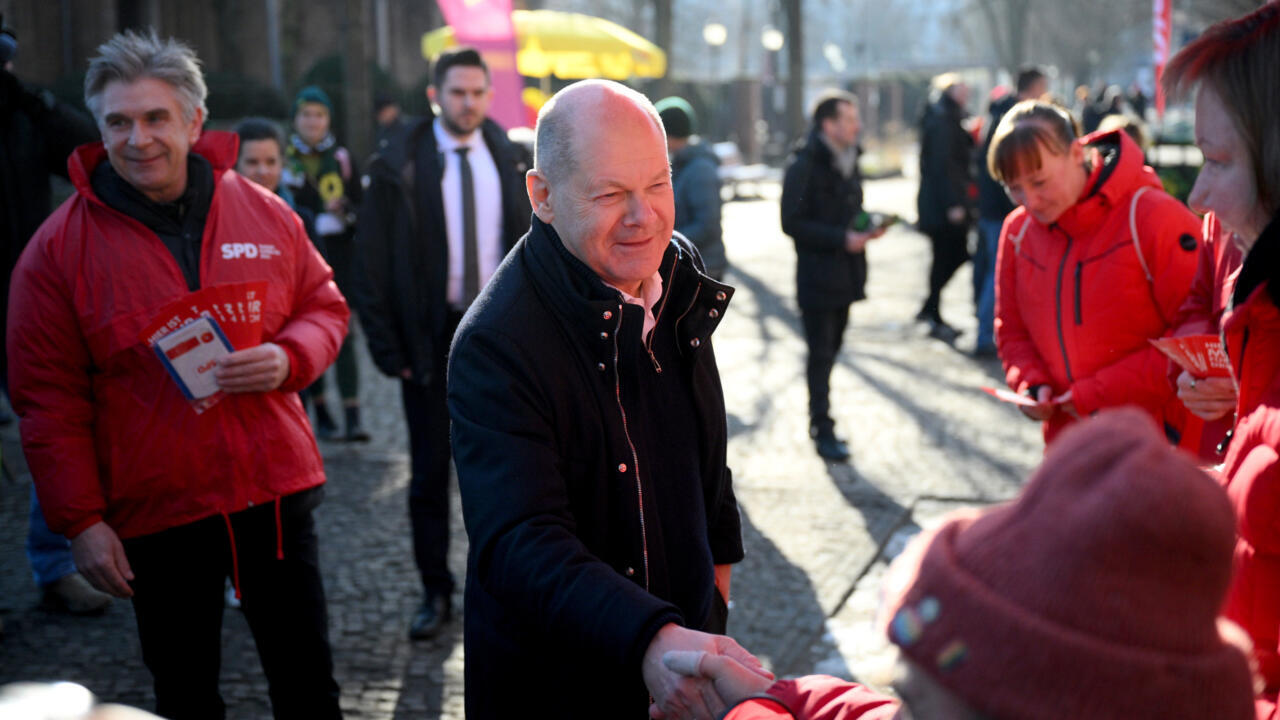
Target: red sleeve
818	697
1023	366
318	323
1142	377
49	384
1197	316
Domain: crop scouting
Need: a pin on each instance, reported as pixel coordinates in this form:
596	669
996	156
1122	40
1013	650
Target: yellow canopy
570	46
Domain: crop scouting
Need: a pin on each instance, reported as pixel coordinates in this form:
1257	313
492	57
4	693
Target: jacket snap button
720	295
713	313
600	367
631	571
695	342
606	314
604	336
622	467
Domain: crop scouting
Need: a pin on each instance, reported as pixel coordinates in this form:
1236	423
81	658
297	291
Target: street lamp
716	35
772	39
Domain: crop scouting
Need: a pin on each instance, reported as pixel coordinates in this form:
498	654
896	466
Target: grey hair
130	56
553	136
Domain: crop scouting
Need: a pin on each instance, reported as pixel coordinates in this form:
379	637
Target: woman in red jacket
1235	69
1096	261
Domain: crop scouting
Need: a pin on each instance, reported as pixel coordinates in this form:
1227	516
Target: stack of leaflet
190	335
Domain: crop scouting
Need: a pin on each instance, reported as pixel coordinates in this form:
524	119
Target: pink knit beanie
1094	595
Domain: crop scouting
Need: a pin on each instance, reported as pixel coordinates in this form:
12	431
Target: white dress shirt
487	188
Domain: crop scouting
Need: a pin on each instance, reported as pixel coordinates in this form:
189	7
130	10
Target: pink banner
486	25
1161	32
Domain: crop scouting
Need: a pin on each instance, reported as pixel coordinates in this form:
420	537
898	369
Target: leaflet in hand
191	354
1010	397
235	312
1200	355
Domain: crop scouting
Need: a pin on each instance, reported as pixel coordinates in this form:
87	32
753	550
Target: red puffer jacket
816	697
1251	472
106	432
1201	314
1074	305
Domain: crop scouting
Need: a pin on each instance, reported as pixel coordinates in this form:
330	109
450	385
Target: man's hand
1206	398
733	681
1044	407
257	369
677	697
99	556
855	241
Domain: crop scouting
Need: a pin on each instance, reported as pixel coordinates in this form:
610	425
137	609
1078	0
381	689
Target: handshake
692	674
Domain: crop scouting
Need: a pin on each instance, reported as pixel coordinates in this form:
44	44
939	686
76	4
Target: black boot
355	433
326	429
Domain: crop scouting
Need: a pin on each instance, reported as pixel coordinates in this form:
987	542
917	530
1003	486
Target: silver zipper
635	458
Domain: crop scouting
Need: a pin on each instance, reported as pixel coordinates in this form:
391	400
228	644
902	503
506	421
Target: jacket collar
593	309
1118	170
218	147
1260	266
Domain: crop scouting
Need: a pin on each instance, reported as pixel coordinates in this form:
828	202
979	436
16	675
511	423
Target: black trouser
341	250
950	251
427	419
824	332
179	577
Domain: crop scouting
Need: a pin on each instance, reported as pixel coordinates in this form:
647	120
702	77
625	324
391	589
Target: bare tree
1008	24
663	26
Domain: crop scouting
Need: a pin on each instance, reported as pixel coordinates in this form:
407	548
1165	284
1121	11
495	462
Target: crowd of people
550	322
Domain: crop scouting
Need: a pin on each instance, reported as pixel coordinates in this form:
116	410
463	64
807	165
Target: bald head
575	112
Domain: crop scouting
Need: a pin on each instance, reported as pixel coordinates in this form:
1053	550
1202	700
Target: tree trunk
662	33
359	130
795	68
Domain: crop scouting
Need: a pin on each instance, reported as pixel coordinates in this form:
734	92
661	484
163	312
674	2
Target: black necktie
470	258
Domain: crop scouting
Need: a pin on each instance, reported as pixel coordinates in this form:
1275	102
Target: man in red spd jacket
163	503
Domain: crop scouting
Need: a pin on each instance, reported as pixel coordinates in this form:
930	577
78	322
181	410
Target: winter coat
1201	314
695	181
993	201
818	206
1074	306
1251	471
815	697
565	525
403	250
946	149
105	430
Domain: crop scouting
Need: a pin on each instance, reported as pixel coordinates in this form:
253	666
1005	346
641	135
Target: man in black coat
435	223
821	200
589	434
946	151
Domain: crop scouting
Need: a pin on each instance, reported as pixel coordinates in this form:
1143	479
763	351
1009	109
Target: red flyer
1010	396
1200	355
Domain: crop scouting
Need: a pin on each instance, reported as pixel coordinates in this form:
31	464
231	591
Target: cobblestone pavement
924	441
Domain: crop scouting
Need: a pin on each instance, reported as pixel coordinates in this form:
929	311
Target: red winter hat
1094	595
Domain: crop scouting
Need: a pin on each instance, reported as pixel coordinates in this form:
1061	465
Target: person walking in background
261	159
695	180
37	134
436	222
821	203
590	434
1094	263
1095	594
1234	67
323	178
946	151
993	206
163	502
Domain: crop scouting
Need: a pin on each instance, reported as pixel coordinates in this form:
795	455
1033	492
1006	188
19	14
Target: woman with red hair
1234	70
